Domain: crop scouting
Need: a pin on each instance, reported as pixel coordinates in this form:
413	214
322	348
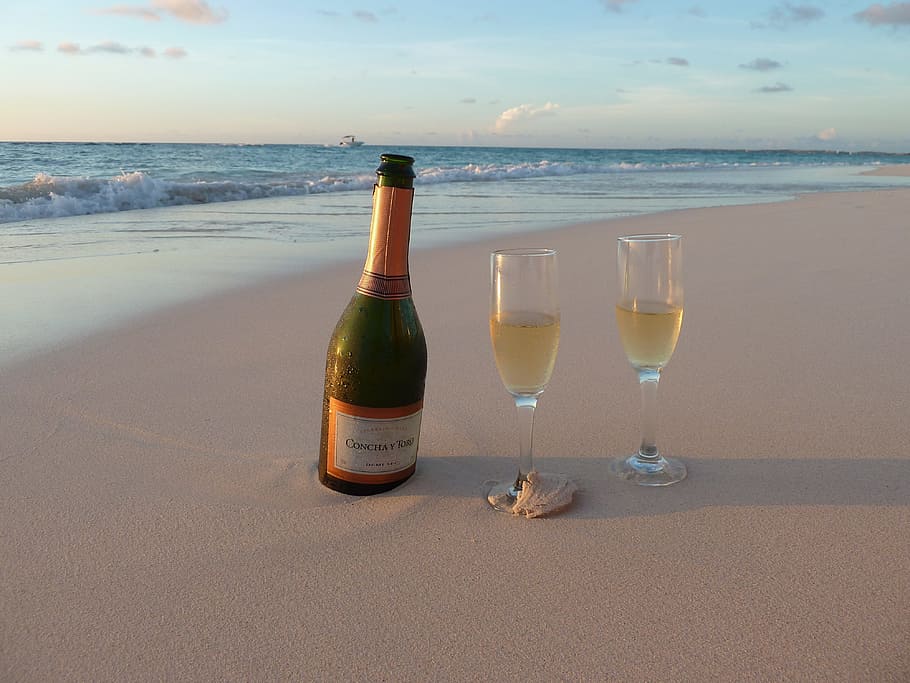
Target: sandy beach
900	170
162	517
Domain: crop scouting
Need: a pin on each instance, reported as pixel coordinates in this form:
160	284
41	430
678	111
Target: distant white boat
350	141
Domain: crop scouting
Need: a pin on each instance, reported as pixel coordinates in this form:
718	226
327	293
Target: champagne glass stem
525	406
649	381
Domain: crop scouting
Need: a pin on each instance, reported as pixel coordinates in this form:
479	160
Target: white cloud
524	112
827	134
69	48
894	14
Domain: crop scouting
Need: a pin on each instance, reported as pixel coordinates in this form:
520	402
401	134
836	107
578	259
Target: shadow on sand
711	482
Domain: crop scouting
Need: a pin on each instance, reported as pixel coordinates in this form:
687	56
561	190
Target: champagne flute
524	330
649	315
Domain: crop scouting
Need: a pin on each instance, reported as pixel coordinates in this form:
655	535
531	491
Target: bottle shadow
711	482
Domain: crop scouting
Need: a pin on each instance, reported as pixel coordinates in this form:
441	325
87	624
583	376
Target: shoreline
163	516
898	171
52	311
143	261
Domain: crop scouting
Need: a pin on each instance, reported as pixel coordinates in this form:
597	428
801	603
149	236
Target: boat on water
350	141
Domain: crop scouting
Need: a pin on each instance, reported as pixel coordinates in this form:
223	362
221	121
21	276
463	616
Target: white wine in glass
649	314
524	330
525	345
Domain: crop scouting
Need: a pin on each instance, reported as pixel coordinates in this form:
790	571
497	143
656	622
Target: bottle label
385	273
372	445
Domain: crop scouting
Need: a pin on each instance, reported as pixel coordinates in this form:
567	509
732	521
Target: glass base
660	471
540	495
501	495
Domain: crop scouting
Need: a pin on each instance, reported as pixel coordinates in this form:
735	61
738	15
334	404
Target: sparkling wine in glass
524	330
649	314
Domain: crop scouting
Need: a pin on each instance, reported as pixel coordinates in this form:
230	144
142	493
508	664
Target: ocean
498	188
91	233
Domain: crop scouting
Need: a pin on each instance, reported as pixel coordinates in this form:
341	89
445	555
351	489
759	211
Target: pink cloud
28	46
69	48
191	11
131	11
894	14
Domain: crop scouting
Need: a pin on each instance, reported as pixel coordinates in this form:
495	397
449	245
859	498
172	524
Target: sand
902	170
161	518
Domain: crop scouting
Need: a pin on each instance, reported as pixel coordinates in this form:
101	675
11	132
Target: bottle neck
385	273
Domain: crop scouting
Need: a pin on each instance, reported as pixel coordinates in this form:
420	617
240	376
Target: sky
576	73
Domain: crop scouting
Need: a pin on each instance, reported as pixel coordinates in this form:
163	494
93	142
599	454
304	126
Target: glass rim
525	251
651	237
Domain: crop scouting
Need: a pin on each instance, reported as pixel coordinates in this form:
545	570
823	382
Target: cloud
697	11
468	100
28	46
616	5
777	87
895	14
524	112
761	64
145	13
826	134
677	61
787	14
364	16
111	47
191	11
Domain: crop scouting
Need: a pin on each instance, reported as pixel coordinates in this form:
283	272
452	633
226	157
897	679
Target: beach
162	516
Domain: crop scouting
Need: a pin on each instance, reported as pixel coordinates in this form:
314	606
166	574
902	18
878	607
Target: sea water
91	233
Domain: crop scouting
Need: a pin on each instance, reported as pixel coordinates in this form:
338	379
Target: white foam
49	196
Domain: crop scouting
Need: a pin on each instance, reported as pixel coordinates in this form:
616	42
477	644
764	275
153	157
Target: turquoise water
462	192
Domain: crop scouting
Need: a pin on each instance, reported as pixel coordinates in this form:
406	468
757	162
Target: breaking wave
53	196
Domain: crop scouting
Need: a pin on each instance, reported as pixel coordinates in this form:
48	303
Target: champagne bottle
376	363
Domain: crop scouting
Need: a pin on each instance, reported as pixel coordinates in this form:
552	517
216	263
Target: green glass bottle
376	363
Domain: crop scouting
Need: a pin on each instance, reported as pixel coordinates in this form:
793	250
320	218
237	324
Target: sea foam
51	196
